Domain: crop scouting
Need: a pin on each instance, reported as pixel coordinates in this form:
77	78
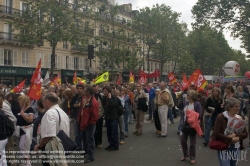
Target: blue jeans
151	108
89	141
78	138
181	119
170	115
208	125
228	157
126	114
130	115
112	133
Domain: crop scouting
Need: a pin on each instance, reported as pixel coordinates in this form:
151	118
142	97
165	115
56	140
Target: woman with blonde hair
25	120
213	109
191	105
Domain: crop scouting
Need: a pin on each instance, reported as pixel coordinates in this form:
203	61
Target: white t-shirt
50	122
188	107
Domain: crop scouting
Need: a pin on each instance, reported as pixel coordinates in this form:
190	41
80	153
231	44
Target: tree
144	25
53	21
230	14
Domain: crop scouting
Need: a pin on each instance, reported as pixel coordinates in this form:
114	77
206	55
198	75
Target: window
81	63
67	62
7	31
65	45
155	65
75	63
58	61
8	57
151	69
71	62
25	59
8	4
38	57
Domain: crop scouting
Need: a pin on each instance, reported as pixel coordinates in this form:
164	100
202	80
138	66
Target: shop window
25	59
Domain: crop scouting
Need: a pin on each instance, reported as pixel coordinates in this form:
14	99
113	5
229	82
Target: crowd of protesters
85	109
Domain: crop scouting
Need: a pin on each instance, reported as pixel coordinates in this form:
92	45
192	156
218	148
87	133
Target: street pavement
149	150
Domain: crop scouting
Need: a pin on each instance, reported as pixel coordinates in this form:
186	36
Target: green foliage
231	14
54	21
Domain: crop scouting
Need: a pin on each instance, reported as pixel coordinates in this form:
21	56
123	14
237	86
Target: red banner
184	84
155	74
172	78
193	78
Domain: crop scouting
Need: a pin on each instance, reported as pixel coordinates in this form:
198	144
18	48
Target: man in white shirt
50	121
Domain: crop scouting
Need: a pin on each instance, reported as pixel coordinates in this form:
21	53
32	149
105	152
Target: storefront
69	75
14	75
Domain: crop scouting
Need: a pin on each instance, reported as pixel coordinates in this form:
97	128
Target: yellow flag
102	78
80	80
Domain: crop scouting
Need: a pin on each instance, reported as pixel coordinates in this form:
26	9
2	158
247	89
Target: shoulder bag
67	143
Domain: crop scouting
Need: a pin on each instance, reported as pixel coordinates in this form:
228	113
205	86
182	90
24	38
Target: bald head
51	97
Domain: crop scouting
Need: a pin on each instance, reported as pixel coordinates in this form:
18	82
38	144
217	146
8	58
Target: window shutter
64	62
71	62
1	57
15	58
58	61
37	58
42	57
49	61
27	59
81	63
21	6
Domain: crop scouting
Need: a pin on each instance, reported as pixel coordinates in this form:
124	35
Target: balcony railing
9	10
8	37
79	48
117	36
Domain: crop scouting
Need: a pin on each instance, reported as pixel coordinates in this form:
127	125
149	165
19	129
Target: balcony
117	36
8	37
6	11
155	57
77	49
89	31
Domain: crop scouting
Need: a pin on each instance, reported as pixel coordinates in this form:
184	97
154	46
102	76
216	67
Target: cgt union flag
197	79
184	84
172	78
36	83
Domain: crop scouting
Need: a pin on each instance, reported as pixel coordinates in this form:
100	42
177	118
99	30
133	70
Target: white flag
46	79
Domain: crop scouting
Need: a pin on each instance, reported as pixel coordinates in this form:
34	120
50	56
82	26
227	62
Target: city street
148	150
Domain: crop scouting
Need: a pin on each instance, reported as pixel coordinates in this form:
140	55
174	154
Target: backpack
7	126
180	102
120	109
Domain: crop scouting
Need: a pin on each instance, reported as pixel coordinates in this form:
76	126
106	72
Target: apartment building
18	61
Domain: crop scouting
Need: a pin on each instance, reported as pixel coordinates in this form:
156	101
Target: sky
181	6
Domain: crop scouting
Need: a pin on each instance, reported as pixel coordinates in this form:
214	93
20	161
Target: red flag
143	78
193	78
201	81
184	84
118	82
19	87
74	78
36	83
172	78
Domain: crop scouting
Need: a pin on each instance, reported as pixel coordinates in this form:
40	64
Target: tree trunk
52	62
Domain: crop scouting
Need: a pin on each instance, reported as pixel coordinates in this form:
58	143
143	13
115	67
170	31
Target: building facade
17	61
